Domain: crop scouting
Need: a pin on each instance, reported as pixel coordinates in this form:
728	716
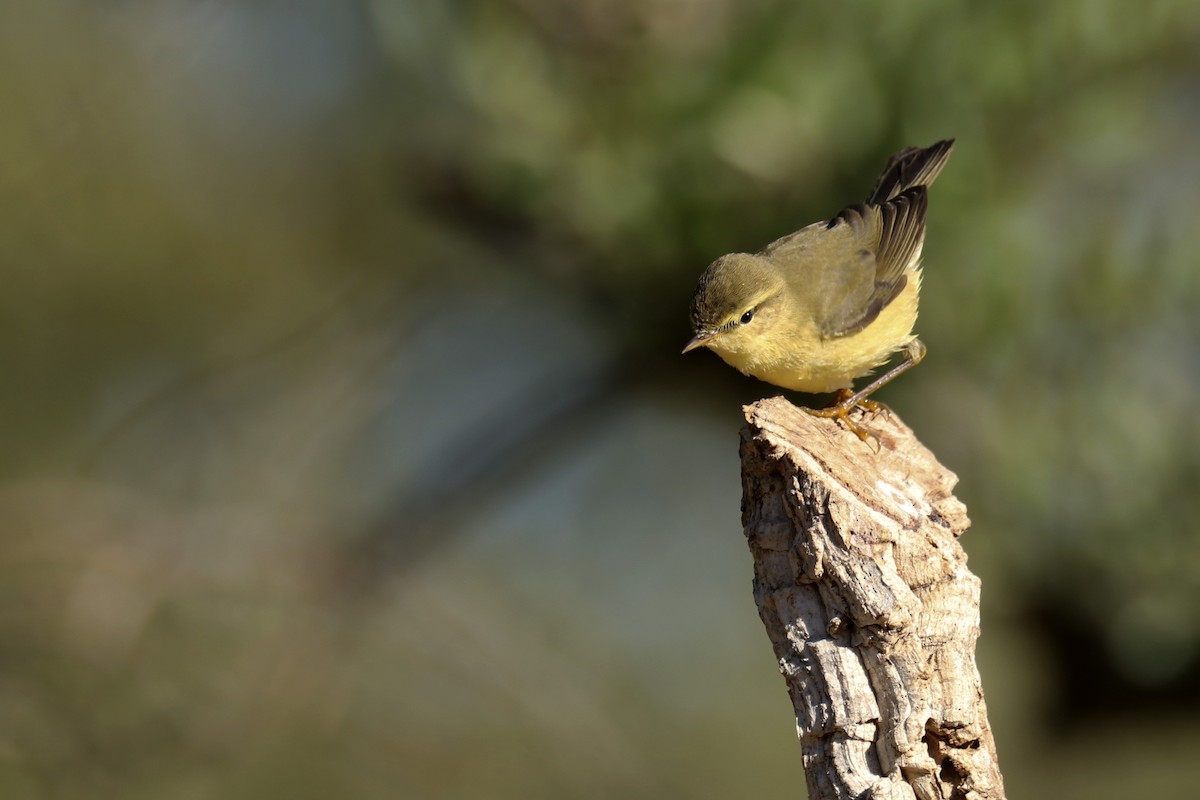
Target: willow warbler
831	302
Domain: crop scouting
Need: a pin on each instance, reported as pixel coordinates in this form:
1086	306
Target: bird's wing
879	243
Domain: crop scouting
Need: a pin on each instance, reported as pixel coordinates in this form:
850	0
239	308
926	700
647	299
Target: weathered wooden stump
864	590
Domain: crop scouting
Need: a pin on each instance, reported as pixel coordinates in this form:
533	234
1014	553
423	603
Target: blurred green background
346	450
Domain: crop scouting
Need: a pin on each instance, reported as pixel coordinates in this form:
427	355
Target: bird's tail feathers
913	166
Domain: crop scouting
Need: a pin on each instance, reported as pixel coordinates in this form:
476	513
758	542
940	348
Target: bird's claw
844	404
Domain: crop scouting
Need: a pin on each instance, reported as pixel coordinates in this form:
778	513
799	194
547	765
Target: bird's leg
846	401
914	354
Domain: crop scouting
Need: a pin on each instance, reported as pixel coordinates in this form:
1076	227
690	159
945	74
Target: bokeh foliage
346	449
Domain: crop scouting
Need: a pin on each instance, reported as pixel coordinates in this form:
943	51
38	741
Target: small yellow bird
834	300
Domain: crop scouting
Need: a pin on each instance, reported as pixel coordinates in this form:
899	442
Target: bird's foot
874	406
843	404
847	399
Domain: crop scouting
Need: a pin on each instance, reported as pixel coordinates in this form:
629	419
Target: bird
819	308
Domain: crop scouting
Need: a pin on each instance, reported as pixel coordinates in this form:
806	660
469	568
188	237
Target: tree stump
864	590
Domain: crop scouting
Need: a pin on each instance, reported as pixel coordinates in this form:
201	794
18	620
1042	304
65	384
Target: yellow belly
805	362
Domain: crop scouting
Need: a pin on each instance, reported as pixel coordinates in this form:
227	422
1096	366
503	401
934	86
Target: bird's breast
796	357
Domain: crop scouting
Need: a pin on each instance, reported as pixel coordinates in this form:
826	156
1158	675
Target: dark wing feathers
882	241
901	234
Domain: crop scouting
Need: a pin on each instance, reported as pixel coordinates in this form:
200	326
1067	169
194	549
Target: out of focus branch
864	590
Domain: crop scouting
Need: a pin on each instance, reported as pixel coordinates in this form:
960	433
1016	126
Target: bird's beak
699	340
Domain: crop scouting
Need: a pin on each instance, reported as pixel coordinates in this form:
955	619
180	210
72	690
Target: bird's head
734	303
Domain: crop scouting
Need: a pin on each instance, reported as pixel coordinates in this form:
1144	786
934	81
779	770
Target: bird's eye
749	315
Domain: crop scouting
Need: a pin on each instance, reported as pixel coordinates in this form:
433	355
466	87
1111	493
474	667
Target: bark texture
864	590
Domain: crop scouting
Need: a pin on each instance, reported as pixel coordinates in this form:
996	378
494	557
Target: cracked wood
864	590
